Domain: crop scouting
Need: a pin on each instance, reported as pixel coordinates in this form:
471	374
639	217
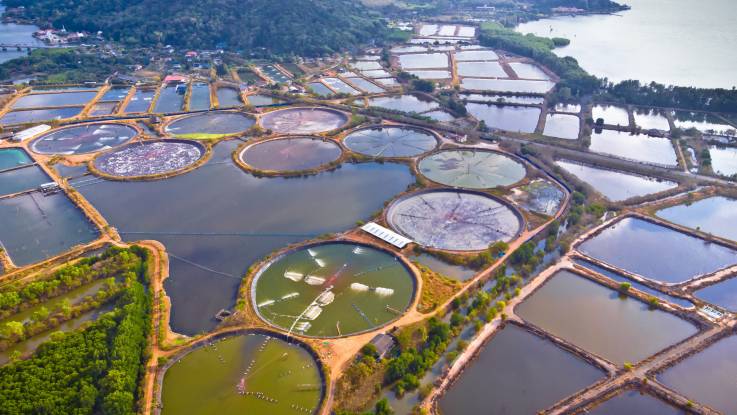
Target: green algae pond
243	374
332	289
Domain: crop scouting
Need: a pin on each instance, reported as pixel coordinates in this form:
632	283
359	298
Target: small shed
383	343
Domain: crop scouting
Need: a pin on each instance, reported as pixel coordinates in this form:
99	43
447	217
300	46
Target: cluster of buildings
60	37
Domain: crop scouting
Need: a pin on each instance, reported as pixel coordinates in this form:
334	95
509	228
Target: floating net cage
472	169
83	139
454	220
216	123
390	142
333	289
291	154
148	158
303	120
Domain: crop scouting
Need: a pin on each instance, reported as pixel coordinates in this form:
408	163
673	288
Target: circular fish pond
472	169
303	120
332	289
149	158
83	139
290	154
243	374
209	125
454	220
390	142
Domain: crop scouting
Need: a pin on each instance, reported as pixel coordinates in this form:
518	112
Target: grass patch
436	289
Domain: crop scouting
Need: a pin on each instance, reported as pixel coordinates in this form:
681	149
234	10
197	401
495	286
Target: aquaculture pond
333	289
704	122
83	139
387	81
472	169
148	158
566	107
115	94
440	116
404	103
11	158
424	60
366	86
528	71
103	108
634	402
649	119
707	377
199	98
140	101
637	147
258	100
615	185
456	272
291	154
390	142
275	74
320	89
28	116
379	73
53	100
209	125
563	126
481	69
657	252
723	160
170	100
430	74
539	196
228	97
21	179
232	219
372	65
517	373
243	374
723	294
595	318
303	120
715	215
507	85
634	284
37	227
611	114
476	55
506	117
509	99
339	86
453	220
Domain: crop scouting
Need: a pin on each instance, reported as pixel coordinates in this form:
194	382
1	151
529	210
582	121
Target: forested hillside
304	27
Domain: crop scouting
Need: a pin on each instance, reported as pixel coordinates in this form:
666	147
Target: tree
383	407
423	85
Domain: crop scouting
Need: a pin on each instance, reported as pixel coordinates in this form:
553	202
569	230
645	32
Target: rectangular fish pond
317	87
404	103
636	147
21	179
634	284
140	101
715	215
229	97
507	85
611	114
340	86
53	100
723	160
656	252
37	227
708	377
199	98
616	185
595	318
481	69
366	86
170	100
506	117
211	249
632	402
517	372
29	116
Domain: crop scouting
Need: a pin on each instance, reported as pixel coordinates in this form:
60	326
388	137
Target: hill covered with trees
302	27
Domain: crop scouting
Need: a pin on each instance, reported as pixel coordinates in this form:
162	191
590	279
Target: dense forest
590	5
64	66
658	95
302	27
95	370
